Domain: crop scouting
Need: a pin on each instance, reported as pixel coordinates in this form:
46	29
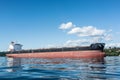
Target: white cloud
108	37
87	31
68	25
96	39
105	37
90	34
79	42
112	45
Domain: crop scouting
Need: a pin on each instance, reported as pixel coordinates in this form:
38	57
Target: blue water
59	69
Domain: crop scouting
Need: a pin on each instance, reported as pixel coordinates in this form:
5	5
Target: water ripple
60	69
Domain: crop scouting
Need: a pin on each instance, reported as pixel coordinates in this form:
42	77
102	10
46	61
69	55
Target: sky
59	23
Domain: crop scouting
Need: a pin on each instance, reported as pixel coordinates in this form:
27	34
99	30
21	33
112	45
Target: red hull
67	54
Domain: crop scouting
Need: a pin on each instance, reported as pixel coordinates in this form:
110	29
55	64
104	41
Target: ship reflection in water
14	64
83	69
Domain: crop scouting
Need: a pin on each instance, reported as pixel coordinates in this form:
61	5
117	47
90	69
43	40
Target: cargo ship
95	50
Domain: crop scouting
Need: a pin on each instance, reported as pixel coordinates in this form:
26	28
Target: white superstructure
14	47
